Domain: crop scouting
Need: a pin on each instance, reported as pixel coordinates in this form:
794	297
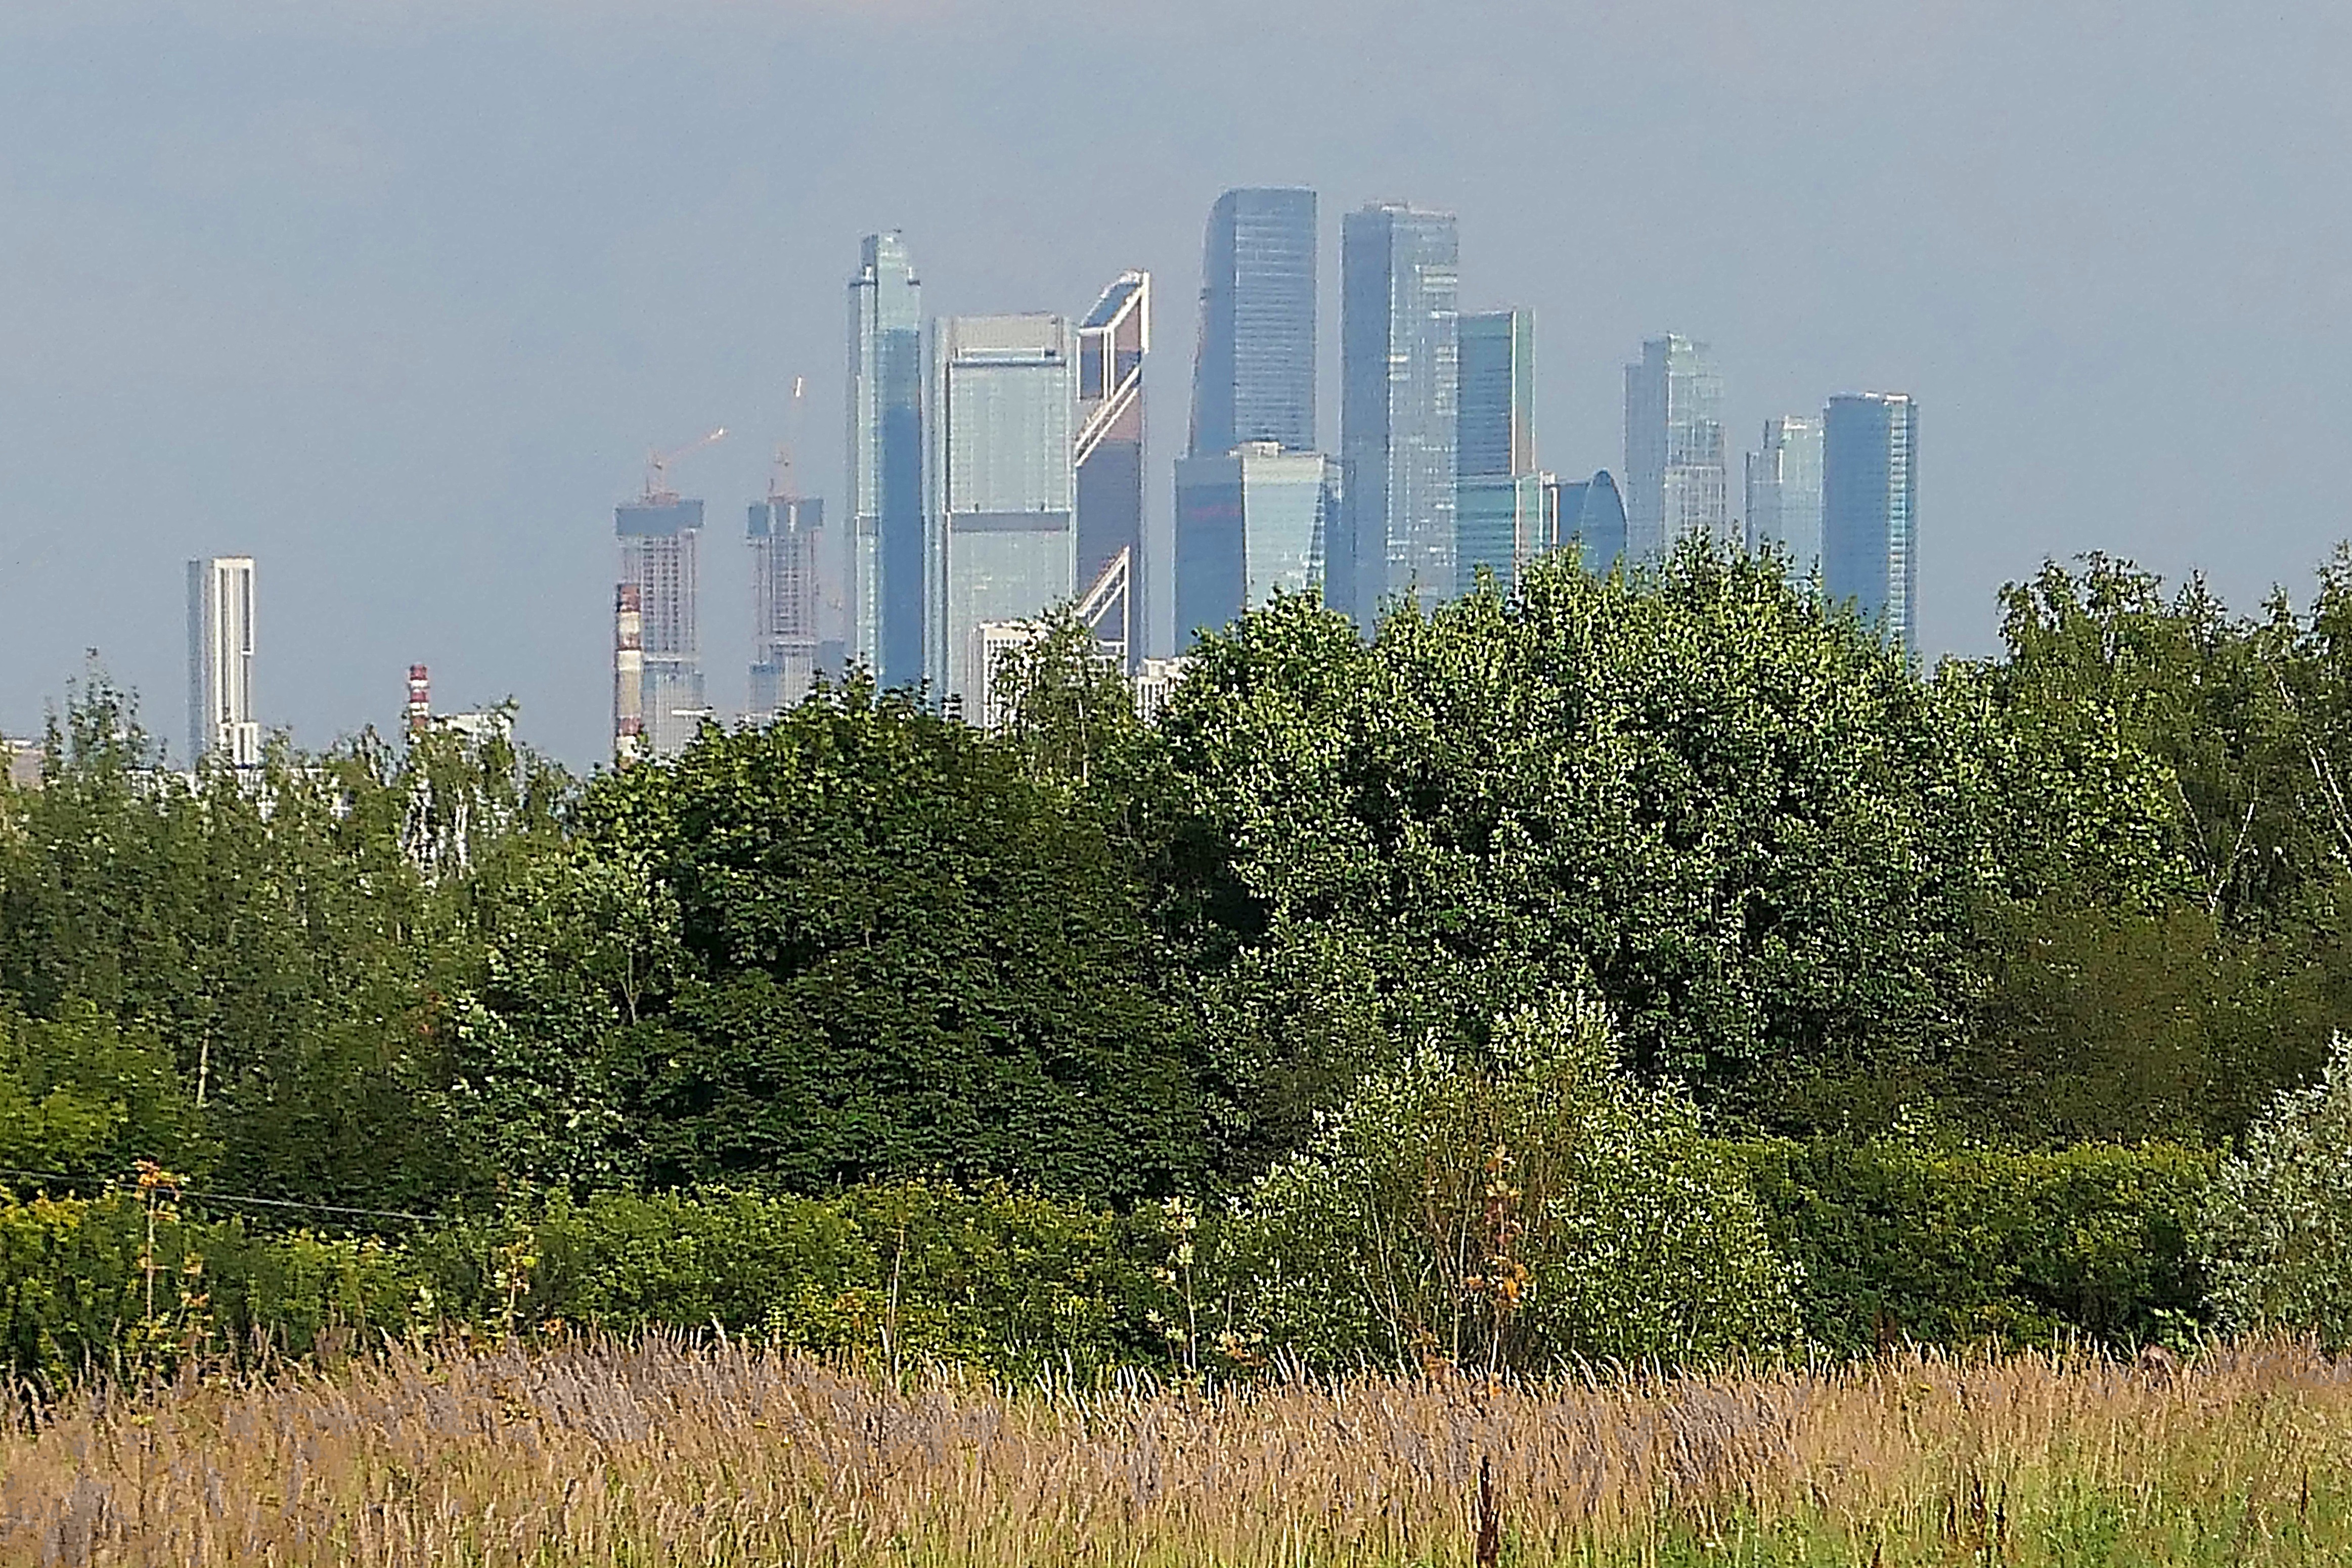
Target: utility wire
200	1195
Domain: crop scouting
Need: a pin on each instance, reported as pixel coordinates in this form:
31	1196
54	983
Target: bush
1541	1208
1898	1242
80	1290
2277	1232
908	1272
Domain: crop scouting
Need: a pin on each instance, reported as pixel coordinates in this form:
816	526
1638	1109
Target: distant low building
23	762
1154	680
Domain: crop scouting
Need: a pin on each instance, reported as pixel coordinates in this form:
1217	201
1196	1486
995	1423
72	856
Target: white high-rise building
1676	480
220	661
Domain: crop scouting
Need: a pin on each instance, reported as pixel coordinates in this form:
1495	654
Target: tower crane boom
657	463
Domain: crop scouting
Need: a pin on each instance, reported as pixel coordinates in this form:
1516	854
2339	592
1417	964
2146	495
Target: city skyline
403	340
1036	480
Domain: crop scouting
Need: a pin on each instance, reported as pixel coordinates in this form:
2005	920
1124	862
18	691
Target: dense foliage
2279	1225
1977	972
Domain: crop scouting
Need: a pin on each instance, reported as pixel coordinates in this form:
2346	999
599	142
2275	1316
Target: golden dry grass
663	1451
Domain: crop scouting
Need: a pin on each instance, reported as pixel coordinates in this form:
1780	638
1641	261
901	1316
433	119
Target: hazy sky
395	296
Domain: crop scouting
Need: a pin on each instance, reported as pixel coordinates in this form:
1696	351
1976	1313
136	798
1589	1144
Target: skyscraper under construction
786	534
658	533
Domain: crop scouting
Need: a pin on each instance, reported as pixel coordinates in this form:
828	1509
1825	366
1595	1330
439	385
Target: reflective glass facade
1870	526
1004	543
1676	480
884	504
1500	524
1496	432
1784	492
1399	380
1589	514
1114	341
1247	524
1253	373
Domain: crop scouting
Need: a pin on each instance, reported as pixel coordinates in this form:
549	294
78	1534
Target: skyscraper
1784	491
786	533
1398	373
1112	342
1004	539
1253	371
1870	526
1499	497
220	661
1248	523
658	534
1497	422
1589	514
885	502
1676	481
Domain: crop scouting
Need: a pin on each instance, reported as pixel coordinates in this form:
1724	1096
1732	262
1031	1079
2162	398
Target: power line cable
198	1195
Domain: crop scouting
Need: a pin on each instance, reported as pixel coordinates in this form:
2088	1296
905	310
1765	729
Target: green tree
1741	814
2277	1231
903	955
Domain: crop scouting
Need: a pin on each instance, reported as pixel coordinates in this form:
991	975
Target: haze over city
394	299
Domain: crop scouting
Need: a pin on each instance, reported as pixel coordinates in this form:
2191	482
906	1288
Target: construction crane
780	475
657	466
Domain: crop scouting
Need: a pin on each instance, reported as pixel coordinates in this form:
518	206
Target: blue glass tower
1498	499
1253	374
1248	524
1399	379
1870	526
886	611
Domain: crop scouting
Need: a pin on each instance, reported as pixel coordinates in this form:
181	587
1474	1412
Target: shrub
2277	1232
1899	1243
1542	1208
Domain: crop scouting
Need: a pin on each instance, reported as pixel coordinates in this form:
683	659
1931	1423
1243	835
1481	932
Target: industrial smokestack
628	674
420	700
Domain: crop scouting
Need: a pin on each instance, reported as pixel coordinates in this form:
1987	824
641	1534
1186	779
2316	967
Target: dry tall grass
668	1452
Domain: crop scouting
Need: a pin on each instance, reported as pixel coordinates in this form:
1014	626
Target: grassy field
666	1452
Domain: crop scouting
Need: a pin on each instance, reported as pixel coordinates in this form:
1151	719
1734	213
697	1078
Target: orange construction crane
657	466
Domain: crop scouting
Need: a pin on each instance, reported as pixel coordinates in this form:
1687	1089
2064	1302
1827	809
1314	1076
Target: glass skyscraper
1114	340
1870	526
1498	418
887	612
1784	492
1247	524
1589	514
1499	497
1676	480
1253	373
1398	373
1004	534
